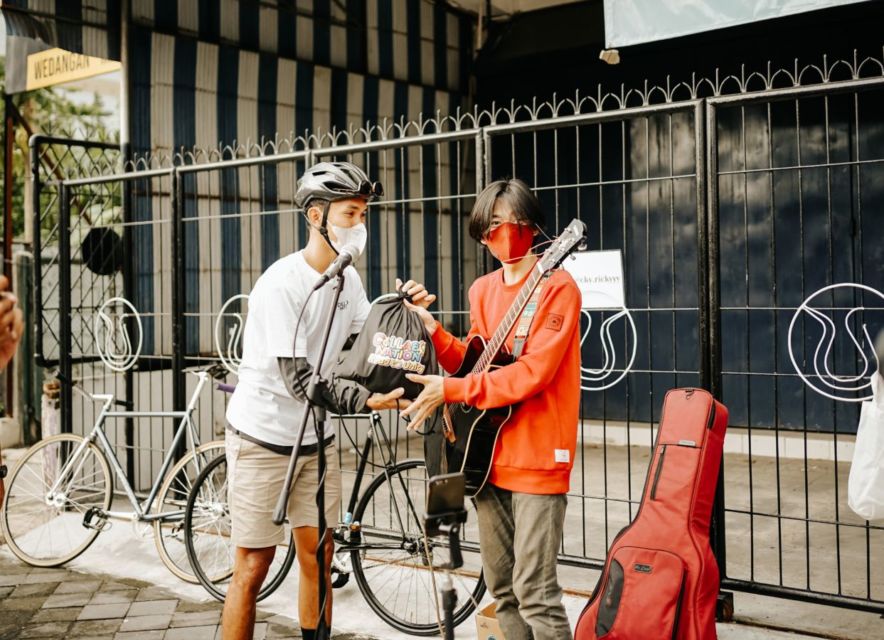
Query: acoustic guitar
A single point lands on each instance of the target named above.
(471, 432)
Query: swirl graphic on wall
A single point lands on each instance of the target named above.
(113, 322)
(599, 275)
(229, 327)
(611, 370)
(839, 354)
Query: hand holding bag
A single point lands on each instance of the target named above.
(393, 343)
(865, 485)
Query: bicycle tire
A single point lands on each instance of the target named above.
(20, 534)
(169, 533)
(396, 619)
(210, 489)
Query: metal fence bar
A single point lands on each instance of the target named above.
(707, 193)
(179, 382)
(64, 279)
(127, 217)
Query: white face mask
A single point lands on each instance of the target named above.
(356, 235)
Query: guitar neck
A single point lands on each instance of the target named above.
(506, 325)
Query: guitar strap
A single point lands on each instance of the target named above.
(527, 317)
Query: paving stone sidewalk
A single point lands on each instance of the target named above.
(57, 603)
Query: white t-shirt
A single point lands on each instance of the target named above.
(261, 405)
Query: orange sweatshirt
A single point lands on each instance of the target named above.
(535, 449)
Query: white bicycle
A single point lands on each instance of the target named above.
(59, 495)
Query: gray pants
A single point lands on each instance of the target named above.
(520, 534)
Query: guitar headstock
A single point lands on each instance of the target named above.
(571, 239)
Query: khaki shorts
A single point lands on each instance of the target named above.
(255, 476)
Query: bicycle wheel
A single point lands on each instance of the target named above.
(393, 565)
(171, 502)
(45, 528)
(207, 536)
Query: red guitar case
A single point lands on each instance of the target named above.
(660, 580)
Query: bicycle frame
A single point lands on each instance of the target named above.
(351, 544)
(185, 426)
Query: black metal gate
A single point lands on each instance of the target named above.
(795, 205)
(732, 200)
(53, 159)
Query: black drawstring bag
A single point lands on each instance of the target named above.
(393, 343)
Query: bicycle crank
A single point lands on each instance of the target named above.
(142, 530)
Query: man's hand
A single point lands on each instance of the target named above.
(421, 299)
(11, 323)
(392, 400)
(426, 403)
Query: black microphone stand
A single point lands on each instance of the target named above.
(447, 523)
(322, 629)
(449, 595)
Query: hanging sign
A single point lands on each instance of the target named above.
(55, 66)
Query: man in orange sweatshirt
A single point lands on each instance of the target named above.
(521, 509)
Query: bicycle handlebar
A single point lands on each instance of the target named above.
(215, 371)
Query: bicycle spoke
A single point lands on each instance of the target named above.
(171, 503)
(207, 535)
(48, 533)
(399, 582)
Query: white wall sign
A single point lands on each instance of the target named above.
(599, 274)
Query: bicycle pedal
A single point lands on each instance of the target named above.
(340, 561)
(101, 523)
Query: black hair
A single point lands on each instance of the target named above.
(315, 202)
(517, 194)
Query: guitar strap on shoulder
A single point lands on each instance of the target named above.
(527, 317)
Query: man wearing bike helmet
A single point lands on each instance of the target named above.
(270, 395)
